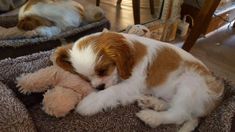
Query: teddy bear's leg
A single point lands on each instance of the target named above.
(38, 81)
(60, 101)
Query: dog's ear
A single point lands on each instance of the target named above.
(124, 61)
(119, 50)
(61, 57)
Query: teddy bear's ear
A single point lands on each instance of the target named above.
(61, 57)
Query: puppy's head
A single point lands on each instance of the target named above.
(103, 58)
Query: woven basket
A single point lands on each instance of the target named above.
(24, 46)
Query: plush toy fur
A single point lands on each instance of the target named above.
(64, 90)
(139, 30)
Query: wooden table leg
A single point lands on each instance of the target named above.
(201, 22)
(136, 11)
(151, 4)
(97, 2)
(119, 2)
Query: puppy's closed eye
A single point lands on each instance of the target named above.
(101, 72)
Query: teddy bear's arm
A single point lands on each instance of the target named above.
(38, 81)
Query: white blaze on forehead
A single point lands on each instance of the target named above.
(83, 60)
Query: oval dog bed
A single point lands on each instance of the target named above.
(23, 46)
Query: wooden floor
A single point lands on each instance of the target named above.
(217, 51)
(122, 16)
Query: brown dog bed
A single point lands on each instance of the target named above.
(118, 119)
(15, 47)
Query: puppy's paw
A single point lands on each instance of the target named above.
(144, 102)
(150, 102)
(149, 117)
(89, 105)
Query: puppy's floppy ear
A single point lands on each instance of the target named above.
(61, 57)
(120, 52)
(123, 58)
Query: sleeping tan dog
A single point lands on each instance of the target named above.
(50, 17)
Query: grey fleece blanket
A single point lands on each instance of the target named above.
(118, 119)
(13, 115)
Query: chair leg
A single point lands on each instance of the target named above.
(97, 2)
(136, 11)
(151, 4)
(201, 23)
(119, 2)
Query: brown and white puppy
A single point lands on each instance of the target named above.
(50, 17)
(128, 67)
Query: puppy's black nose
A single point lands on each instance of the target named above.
(100, 87)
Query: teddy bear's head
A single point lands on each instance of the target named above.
(140, 30)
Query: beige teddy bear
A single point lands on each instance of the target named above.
(64, 90)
